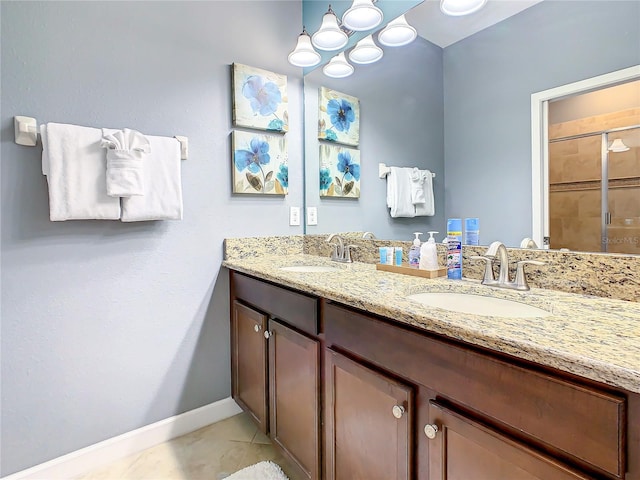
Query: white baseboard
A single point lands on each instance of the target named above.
(94, 456)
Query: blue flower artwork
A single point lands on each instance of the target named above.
(259, 163)
(338, 117)
(259, 99)
(339, 171)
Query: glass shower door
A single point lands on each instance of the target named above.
(621, 197)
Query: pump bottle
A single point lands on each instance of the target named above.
(429, 254)
(414, 251)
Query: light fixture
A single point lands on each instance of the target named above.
(362, 15)
(397, 33)
(304, 55)
(330, 36)
(457, 8)
(365, 51)
(618, 146)
(338, 67)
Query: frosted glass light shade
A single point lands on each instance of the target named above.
(304, 55)
(397, 33)
(338, 67)
(365, 51)
(457, 8)
(618, 146)
(362, 15)
(329, 36)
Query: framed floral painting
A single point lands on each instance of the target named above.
(338, 117)
(339, 171)
(259, 163)
(259, 99)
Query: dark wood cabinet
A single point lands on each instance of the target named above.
(369, 422)
(294, 383)
(249, 362)
(275, 360)
(462, 449)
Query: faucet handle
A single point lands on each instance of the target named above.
(521, 278)
(488, 268)
(347, 253)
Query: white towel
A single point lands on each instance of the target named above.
(75, 166)
(162, 199)
(399, 192)
(125, 153)
(417, 189)
(426, 208)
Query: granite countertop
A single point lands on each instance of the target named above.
(596, 338)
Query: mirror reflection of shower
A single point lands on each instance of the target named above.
(594, 170)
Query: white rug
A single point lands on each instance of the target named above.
(259, 471)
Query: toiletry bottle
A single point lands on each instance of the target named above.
(414, 251)
(429, 254)
(454, 248)
(472, 231)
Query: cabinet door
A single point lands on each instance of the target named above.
(462, 449)
(249, 362)
(369, 419)
(294, 382)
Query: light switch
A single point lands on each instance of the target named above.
(312, 216)
(294, 216)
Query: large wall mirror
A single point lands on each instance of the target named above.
(462, 109)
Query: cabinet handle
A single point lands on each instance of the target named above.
(431, 430)
(257, 328)
(398, 411)
(267, 334)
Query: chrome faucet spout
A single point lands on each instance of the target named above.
(338, 248)
(497, 249)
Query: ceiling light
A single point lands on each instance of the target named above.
(304, 55)
(365, 51)
(457, 8)
(338, 67)
(397, 33)
(362, 15)
(330, 36)
(618, 146)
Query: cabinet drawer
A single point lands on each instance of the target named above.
(579, 422)
(297, 309)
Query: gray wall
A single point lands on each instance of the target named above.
(107, 327)
(488, 82)
(401, 124)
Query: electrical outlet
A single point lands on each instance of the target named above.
(312, 216)
(294, 216)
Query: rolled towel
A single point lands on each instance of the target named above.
(125, 152)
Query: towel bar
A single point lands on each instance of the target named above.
(26, 133)
(383, 170)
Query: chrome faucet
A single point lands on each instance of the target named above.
(497, 249)
(341, 252)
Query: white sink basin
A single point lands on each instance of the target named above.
(310, 268)
(478, 305)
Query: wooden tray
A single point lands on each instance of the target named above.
(407, 270)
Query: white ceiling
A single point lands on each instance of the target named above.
(444, 30)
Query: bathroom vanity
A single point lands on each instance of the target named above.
(353, 381)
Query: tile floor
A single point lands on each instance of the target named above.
(210, 453)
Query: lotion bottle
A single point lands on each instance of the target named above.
(414, 251)
(429, 254)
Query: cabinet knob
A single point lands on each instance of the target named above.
(257, 328)
(431, 430)
(398, 411)
(267, 334)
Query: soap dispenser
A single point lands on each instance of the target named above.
(414, 251)
(429, 254)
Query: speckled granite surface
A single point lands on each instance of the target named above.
(610, 276)
(597, 338)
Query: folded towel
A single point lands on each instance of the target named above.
(75, 166)
(426, 208)
(125, 151)
(399, 192)
(162, 199)
(417, 191)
